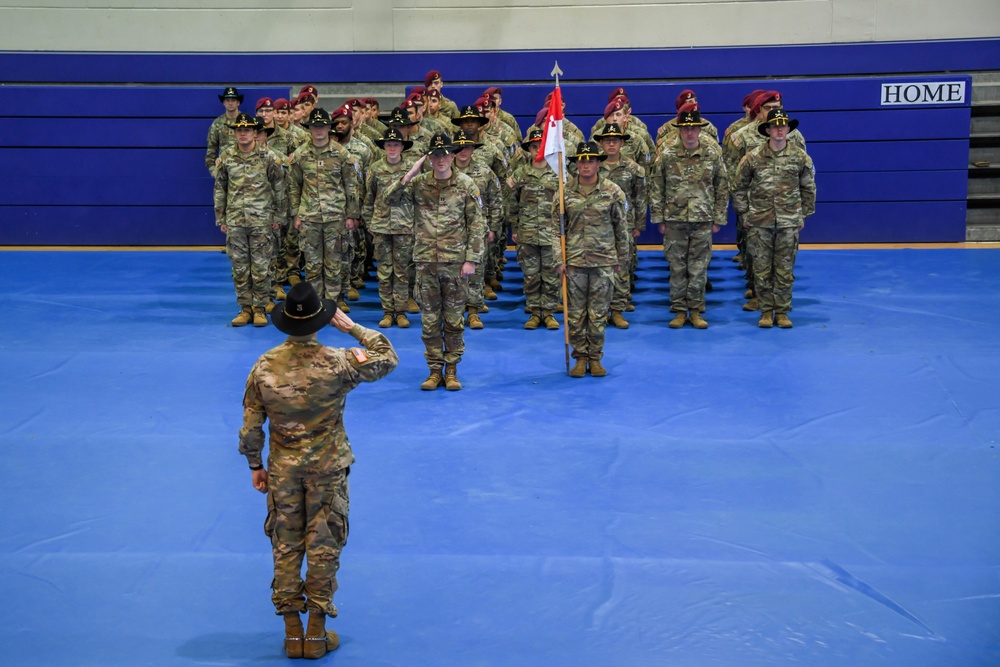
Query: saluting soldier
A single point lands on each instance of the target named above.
(448, 233)
(774, 191)
(532, 229)
(689, 193)
(391, 226)
(597, 230)
(631, 178)
(249, 205)
(324, 197)
(220, 133)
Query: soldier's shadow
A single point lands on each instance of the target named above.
(240, 648)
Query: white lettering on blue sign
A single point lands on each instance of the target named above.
(931, 92)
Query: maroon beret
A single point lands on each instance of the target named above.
(685, 96)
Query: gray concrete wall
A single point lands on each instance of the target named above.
(436, 25)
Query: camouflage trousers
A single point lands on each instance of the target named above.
(623, 281)
(393, 257)
(356, 258)
(249, 250)
(474, 297)
(325, 245)
(541, 282)
(773, 250)
(306, 518)
(589, 290)
(278, 258)
(292, 261)
(688, 248)
(443, 295)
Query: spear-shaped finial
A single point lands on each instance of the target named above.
(556, 72)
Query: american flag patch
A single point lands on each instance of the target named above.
(360, 354)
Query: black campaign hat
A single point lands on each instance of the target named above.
(393, 134)
(303, 312)
(777, 117)
(690, 116)
(534, 135)
(469, 112)
(588, 150)
(318, 117)
(243, 121)
(232, 94)
(397, 117)
(612, 131)
(441, 145)
(463, 140)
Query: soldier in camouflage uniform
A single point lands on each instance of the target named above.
(300, 387)
(448, 233)
(726, 144)
(249, 204)
(489, 188)
(324, 198)
(220, 134)
(640, 147)
(392, 230)
(342, 131)
(597, 229)
(631, 178)
(433, 81)
(667, 132)
(532, 229)
(689, 194)
(774, 191)
(495, 93)
(277, 251)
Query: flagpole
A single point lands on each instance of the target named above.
(562, 238)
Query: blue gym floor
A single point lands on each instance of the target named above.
(823, 496)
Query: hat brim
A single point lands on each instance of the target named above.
(623, 137)
(527, 144)
(703, 123)
(242, 127)
(589, 156)
(382, 142)
(320, 123)
(762, 128)
(311, 325)
(238, 98)
(450, 150)
(389, 122)
(458, 147)
(479, 119)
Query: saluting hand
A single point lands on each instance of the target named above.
(415, 169)
(342, 321)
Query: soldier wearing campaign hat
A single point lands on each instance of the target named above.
(774, 191)
(597, 230)
(631, 178)
(362, 150)
(668, 131)
(250, 204)
(448, 230)
(324, 195)
(689, 193)
(220, 135)
(640, 146)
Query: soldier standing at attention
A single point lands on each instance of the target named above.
(249, 205)
(300, 387)
(392, 230)
(433, 81)
(277, 250)
(530, 213)
(631, 178)
(324, 199)
(689, 194)
(342, 131)
(220, 134)
(448, 233)
(774, 191)
(597, 229)
(667, 131)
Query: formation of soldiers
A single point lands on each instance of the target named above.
(429, 194)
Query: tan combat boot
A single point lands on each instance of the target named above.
(697, 320)
(750, 305)
(259, 317)
(489, 294)
(680, 317)
(412, 307)
(533, 321)
(386, 321)
(293, 634)
(279, 292)
(433, 381)
(781, 319)
(352, 294)
(474, 321)
(269, 308)
(551, 323)
(402, 321)
(451, 382)
(618, 320)
(294, 279)
(765, 321)
(495, 282)
(358, 283)
(315, 640)
(243, 319)
(748, 294)
(596, 369)
(344, 308)
(579, 369)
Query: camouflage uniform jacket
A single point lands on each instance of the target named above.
(748, 138)
(493, 158)
(508, 119)
(597, 225)
(448, 223)
(324, 184)
(449, 108)
(489, 188)
(380, 216)
(220, 137)
(301, 387)
(282, 141)
(286, 168)
(438, 123)
(735, 126)
(249, 188)
(689, 186)
(421, 140)
(775, 189)
(668, 131)
(368, 132)
(631, 178)
(530, 204)
(362, 155)
(300, 137)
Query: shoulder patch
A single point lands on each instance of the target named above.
(360, 354)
